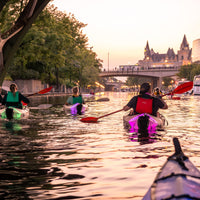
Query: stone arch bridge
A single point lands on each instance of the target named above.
(156, 74)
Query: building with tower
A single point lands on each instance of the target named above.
(167, 60)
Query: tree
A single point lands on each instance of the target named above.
(136, 80)
(167, 81)
(12, 35)
(185, 71)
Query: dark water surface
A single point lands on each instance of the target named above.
(52, 155)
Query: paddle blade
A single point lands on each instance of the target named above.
(89, 119)
(24, 104)
(183, 88)
(45, 90)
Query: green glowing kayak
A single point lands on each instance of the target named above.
(177, 179)
(14, 113)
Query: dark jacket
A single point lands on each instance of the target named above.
(157, 103)
(15, 104)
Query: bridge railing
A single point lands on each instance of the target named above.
(129, 71)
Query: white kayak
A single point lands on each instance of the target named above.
(154, 123)
(72, 109)
(177, 179)
(14, 113)
(88, 97)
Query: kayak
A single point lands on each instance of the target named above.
(177, 179)
(14, 113)
(143, 121)
(88, 97)
(72, 109)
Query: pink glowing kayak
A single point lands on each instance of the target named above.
(177, 179)
(153, 124)
(72, 109)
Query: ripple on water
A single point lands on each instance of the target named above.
(54, 155)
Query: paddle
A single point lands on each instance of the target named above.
(40, 92)
(181, 88)
(94, 119)
(41, 107)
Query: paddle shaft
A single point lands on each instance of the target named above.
(32, 94)
(110, 113)
(41, 91)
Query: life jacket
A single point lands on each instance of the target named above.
(144, 105)
(77, 99)
(13, 99)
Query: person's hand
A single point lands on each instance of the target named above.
(131, 112)
(125, 108)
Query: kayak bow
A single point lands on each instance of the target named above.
(177, 179)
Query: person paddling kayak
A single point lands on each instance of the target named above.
(145, 103)
(76, 98)
(14, 98)
(157, 93)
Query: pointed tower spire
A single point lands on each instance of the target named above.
(147, 52)
(184, 44)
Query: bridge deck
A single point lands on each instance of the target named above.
(150, 72)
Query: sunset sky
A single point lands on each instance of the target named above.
(122, 27)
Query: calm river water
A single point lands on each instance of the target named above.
(55, 156)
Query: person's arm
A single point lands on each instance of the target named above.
(69, 101)
(130, 104)
(125, 108)
(23, 98)
(164, 103)
(4, 99)
(83, 101)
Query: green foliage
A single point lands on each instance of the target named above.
(167, 81)
(185, 71)
(54, 50)
(195, 71)
(136, 80)
(10, 13)
(189, 71)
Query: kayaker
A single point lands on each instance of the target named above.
(145, 103)
(14, 98)
(157, 93)
(76, 98)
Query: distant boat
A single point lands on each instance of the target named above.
(196, 87)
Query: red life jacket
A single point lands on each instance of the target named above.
(144, 105)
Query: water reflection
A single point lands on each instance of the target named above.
(55, 156)
(148, 139)
(11, 126)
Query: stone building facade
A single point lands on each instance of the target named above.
(169, 59)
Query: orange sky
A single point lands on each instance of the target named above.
(122, 27)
